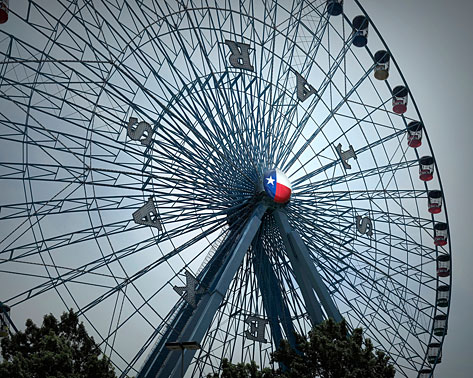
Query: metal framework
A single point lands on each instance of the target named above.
(133, 140)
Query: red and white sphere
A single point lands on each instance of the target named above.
(277, 186)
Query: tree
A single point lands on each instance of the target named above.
(55, 350)
(329, 351)
(242, 370)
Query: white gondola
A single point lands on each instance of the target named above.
(443, 265)
(434, 354)
(425, 373)
(440, 325)
(443, 295)
(440, 234)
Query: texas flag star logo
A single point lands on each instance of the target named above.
(277, 185)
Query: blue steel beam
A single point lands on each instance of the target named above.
(174, 327)
(273, 301)
(305, 272)
(183, 311)
(200, 318)
(311, 302)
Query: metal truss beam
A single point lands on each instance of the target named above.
(306, 273)
(273, 301)
(200, 318)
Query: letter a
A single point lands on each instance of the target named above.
(148, 215)
(240, 57)
(304, 89)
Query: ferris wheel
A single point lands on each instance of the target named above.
(215, 176)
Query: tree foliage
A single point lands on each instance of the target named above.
(54, 350)
(329, 351)
(242, 370)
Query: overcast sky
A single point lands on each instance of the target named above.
(432, 41)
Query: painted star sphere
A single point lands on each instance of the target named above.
(277, 186)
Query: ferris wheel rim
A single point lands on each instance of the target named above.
(295, 199)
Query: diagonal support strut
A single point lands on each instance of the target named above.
(276, 308)
(201, 317)
(306, 274)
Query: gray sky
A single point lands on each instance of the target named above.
(432, 43)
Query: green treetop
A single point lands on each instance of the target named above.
(54, 350)
(329, 351)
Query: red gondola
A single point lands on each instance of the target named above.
(426, 168)
(435, 201)
(400, 99)
(414, 134)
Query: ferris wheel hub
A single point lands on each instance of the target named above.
(277, 186)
